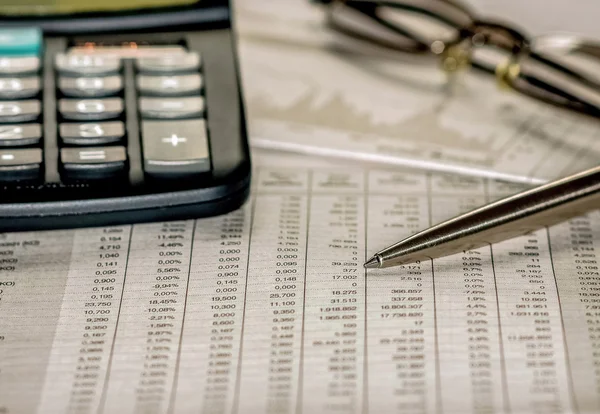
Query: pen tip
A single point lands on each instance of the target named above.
(372, 263)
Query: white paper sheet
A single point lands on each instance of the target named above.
(268, 309)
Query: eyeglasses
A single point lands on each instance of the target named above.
(547, 68)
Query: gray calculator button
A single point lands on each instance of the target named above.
(19, 65)
(171, 108)
(87, 65)
(14, 88)
(90, 109)
(170, 85)
(20, 135)
(19, 111)
(91, 86)
(173, 148)
(93, 162)
(92, 133)
(169, 63)
(20, 163)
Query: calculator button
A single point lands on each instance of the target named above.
(20, 135)
(90, 86)
(174, 148)
(92, 133)
(170, 85)
(23, 41)
(18, 164)
(93, 162)
(80, 64)
(19, 65)
(19, 111)
(14, 88)
(171, 108)
(91, 109)
(170, 63)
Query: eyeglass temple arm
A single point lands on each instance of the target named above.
(526, 82)
(561, 87)
(550, 95)
(340, 11)
(451, 13)
(448, 12)
(592, 50)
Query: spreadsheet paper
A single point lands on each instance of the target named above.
(269, 310)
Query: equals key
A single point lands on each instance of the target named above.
(93, 162)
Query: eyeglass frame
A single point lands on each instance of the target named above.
(560, 85)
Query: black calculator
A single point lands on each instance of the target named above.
(119, 111)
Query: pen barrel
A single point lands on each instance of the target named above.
(502, 220)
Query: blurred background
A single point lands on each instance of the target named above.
(312, 90)
(541, 16)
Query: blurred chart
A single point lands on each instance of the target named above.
(303, 86)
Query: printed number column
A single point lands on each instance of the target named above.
(332, 372)
(275, 294)
(33, 274)
(532, 335)
(147, 340)
(80, 357)
(576, 253)
(471, 372)
(212, 327)
(400, 303)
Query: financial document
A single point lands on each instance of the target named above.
(310, 90)
(269, 310)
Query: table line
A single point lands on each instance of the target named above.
(503, 376)
(172, 401)
(301, 361)
(569, 372)
(114, 339)
(365, 328)
(236, 400)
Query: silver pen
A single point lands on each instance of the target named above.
(510, 217)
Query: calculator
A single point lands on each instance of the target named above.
(116, 112)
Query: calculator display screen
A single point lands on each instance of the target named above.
(54, 7)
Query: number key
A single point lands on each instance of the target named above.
(92, 133)
(90, 86)
(19, 111)
(90, 109)
(82, 64)
(20, 135)
(15, 88)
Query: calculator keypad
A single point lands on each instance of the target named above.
(21, 127)
(172, 108)
(101, 99)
